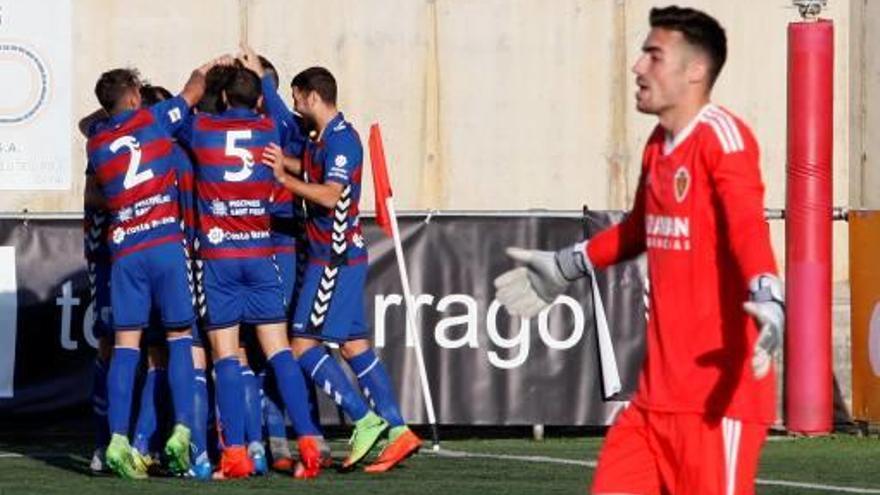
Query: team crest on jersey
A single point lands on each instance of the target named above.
(682, 183)
(358, 240)
(126, 214)
(118, 235)
(215, 235)
(218, 208)
(340, 161)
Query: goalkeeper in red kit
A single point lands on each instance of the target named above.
(706, 390)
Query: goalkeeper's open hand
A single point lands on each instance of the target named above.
(526, 290)
(766, 305)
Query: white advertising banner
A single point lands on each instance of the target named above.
(35, 94)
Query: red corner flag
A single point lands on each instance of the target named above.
(381, 184)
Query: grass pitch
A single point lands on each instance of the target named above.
(59, 465)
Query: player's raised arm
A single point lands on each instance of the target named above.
(291, 136)
(195, 87)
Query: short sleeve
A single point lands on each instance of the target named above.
(343, 156)
(171, 114)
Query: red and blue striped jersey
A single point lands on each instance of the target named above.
(334, 234)
(284, 224)
(132, 157)
(186, 185)
(233, 189)
(286, 209)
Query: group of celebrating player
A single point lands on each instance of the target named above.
(218, 226)
(228, 226)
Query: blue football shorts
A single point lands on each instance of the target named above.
(330, 306)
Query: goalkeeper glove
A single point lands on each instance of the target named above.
(528, 289)
(766, 305)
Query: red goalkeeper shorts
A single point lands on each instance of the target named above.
(656, 453)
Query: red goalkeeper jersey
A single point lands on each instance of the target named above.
(699, 214)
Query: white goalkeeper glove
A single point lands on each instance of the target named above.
(528, 289)
(766, 305)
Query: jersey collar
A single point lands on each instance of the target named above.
(239, 113)
(119, 118)
(672, 142)
(333, 124)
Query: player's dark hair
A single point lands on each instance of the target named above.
(113, 84)
(319, 80)
(243, 89)
(699, 29)
(150, 95)
(215, 81)
(269, 69)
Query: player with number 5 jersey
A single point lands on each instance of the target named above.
(238, 269)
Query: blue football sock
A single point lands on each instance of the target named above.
(145, 427)
(326, 372)
(200, 415)
(99, 404)
(230, 391)
(272, 413)
(376, 386)
(120, 383)
(163, 410)
(213, 417)
(253, 424)
(312, 395)
(292, 386)
(181, 379)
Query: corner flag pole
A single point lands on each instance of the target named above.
(386, 219)
(411, 322)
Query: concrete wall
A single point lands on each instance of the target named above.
(500, 104)
(488, 104)
(865, 178)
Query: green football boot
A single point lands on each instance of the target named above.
(120, 460)
(366, 433)
(177, 449)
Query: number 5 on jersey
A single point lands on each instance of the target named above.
(247, 159)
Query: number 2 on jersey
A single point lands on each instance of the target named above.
(247, 158)
(132, 176)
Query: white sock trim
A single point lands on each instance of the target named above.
(318, 366)
(369, 368)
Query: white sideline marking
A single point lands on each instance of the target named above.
(592, 464)
(39, 455)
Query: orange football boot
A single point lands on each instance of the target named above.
(235, 463)
(309, 464)
(284, 464)
(407, 444)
